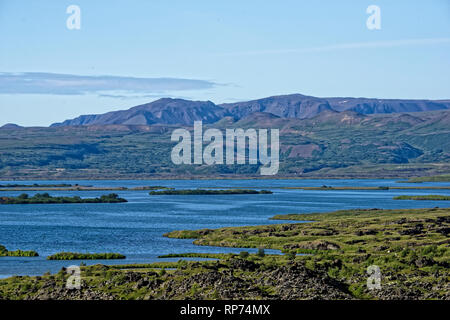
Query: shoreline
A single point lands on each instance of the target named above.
(400, 178)
(368, 188)
(331, 251)
(207, 178)
(282, 188)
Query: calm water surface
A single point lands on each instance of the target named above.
(136, 228)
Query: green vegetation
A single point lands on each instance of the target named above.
(406, 244)
(152, 188)
(208, 192)
(388, 146)
(85, 256)
(194, 255)
(329, 188)
(244, 254)
(76, 188)
(410, 246)
(424, 197)
(261, 253)
(17, 253)
(290, 255)
(45, 198)
(439, 178)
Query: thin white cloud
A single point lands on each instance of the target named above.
(345, 46)
(68, 84)
(141, 96)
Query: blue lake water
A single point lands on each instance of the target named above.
(136, 228)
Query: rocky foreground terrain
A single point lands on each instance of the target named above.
(235, 279)
(325, 259)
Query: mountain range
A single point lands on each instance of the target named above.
(319, 137)
(169, 111)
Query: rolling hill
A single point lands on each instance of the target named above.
(185, 112)
(162, 111)
(332, 144)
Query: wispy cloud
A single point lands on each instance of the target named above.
(346, 46)
(126, 96)
(69, 84)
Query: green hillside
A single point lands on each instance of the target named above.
(331, 144)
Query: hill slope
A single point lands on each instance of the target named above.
(163, 111)
(288, 106)
(370, 106)
(185, 112)
(331, 144)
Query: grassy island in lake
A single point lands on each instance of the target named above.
(439, 178)
(16, 253)
(75, 187)
(380, 188)
(209, 192)
(85, 256)
(193, 255)
(45, 198)
(424, 197)
(35, 185)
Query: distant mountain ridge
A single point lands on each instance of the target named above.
(162, 111)
(287, 106)
(10, 126)
(185, 112)
(344, 144)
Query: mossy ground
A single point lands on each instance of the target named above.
(434, 197)
(409, 244)
(411, 248)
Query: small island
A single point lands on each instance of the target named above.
(45, 198)
(85, 256)
(17, 253)
(35, 185)
(439, 178)
(71, 187)
(424, 197)
(208, 192)
(152, 188)
(379, 188)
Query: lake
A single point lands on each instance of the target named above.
(136, 228)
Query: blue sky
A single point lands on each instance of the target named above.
(132, 52)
